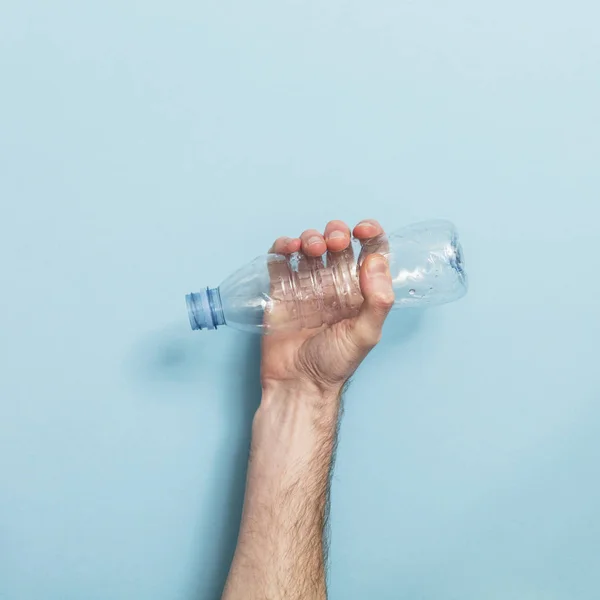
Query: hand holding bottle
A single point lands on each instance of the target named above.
(321, 357)
(291, 291)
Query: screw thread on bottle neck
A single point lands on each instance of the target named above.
(205, 309)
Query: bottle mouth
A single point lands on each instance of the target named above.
(205, 310)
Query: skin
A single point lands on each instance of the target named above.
(281, 550)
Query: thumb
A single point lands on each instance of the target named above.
(376, 287)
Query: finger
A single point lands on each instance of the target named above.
(313, 243)
(368, 228)
(372, 239)
(285, 245)
(309, 262)
(376, 287)
(341, 294)
(337, 236)
(278, 264)
(308, 289)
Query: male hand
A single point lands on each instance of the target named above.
(319, 361)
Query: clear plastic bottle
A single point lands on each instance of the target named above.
(276, 292)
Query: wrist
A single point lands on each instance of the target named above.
(307, 393)
(293, 427)
(297, 406)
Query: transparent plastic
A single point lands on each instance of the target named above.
(275, 292)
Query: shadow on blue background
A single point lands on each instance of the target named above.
(174, 356)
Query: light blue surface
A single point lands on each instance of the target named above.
(148, 148)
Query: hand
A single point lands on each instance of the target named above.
(321, 360)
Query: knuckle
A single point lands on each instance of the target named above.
(375, 337)
(372, 338)
(372, 222)
(336, 224)
(367, 337)
(383, 300)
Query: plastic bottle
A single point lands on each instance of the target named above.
(276, 292)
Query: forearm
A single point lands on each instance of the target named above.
(281, 547)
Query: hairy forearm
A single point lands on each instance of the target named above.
(282, 545)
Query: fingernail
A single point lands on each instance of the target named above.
(315, 239)
(365, 223)
(336, 235)
(377, 266)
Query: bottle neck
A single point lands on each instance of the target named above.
(205, 309)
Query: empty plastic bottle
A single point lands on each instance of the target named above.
(276, 292)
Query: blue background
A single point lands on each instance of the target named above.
(147, 148)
